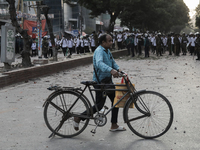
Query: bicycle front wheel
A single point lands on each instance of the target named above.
(152, 115)
(56, 117)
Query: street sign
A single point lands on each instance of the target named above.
(34, 29)
(7, 43)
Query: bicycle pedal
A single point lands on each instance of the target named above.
(93, 131)
(105, 107)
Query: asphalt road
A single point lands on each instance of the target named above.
(23, 126)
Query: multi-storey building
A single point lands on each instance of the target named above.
(66, 17)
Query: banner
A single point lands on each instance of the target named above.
(29, 25)
(30, 16)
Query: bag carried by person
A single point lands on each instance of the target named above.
(107, 81)
(120, 94)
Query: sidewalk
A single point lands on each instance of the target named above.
(23, 74)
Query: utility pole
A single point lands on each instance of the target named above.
(81, 19)
(22, 10)
(39, 31)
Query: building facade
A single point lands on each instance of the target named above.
(66, 17)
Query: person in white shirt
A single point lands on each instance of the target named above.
(50, 49)
(172, 43)
(64, 45)
(70, 46)
(78, 45)
(192, 43)
(57, 42)
(100, 34)
(74, 44)
(92, 43)
(81, 45)
(86, 45)
(33, 47)
(153, 44)
(164, 43)
(119, 40)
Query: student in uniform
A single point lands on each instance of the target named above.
(64, 45)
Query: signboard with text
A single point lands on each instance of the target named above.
(7, 43)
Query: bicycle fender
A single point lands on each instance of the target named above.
(49, 97)
(126, 104)
(61, 89)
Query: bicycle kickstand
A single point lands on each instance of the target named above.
(52, 135)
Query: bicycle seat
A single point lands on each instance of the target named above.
(88, 82)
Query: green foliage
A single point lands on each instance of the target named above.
(146, 14)
(156, 14)
(112, 7)
(198, 16)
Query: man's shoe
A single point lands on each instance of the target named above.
(76, 123)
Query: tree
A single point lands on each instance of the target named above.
(197, 16)
(45, 11)
(26, 61)
(113, 7)
(155, 14)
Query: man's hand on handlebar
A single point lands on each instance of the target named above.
(118, 73)
(114, 73)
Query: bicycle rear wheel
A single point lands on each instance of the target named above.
(56, 117)
(152, 115)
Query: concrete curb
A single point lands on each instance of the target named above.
(22, 75)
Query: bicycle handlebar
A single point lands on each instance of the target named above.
(122, 74)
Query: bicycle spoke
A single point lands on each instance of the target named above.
(59, 119)
(58, 108)
(151, 125)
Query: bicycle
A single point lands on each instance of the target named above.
(151, 116)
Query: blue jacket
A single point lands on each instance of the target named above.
(103, 63)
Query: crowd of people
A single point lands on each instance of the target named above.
(68, 44)
(158, 43)
(135, 43)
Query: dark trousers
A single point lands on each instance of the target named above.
(119, 44)
(140, 49)
(146, 51)
(50, 51)
(70, 50)
(128, 49)
(82, 50)
(191, 50)
(86, 49)
(64, 49)
(132, 50)
(136, 49)
(100, 101)
(172, 48)
(198, 55)
(45, 55)
(93, 49)
(78, 49)
(154, 49)
(34, 52)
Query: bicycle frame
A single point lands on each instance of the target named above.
(131, 115)
(130, 90)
